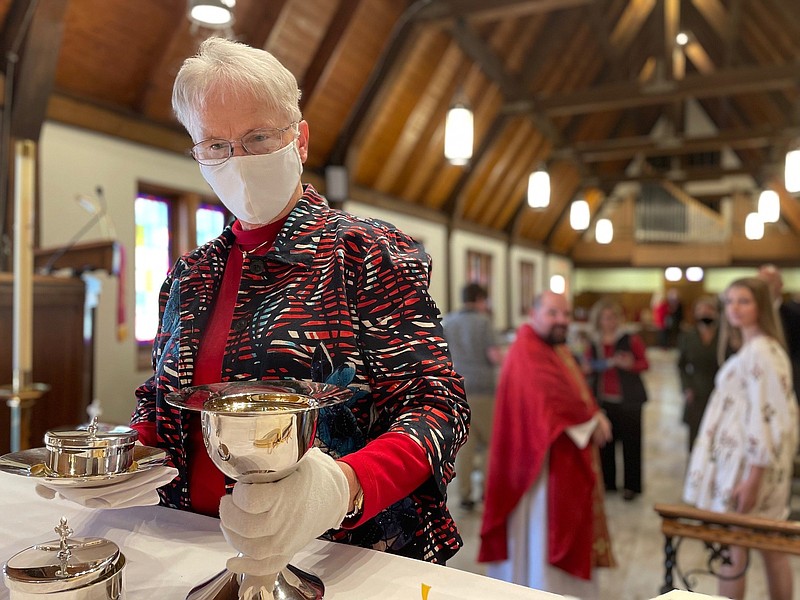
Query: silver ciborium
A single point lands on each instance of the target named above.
(254, 432)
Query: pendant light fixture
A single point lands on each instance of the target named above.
(558, 284)
(539, 188)
(769, 206)
(754, 226)
(458, 134)
(694, 274)
(579, 215)
(216, 14)
(673, 274)
(604, 231)
(791, 176)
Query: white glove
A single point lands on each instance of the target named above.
(270, 522)
(139, 489)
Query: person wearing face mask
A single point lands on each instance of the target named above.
(292, 278)
(697, 362)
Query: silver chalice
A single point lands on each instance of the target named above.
(257, 431)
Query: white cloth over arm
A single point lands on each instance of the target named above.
(527, 537)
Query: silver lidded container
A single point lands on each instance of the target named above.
(88, 450)
(67, 569)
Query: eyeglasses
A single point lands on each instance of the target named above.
(215, 151)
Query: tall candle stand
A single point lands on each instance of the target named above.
(23, 393)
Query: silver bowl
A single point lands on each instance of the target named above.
(89, 450)
(257, 431)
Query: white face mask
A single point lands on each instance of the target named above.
(256, 188)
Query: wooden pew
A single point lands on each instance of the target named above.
(718, 531)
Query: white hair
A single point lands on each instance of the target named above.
(227, 67)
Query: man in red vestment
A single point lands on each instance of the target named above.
(544, 522)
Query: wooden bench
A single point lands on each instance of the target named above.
(719, 531)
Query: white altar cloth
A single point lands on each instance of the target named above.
(169, 551)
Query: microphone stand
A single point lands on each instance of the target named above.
(48, 268)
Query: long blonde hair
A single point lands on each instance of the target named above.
(768, 320)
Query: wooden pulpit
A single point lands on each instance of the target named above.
(63, 338)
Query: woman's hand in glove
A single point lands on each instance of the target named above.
(138, 489)
(270, 522)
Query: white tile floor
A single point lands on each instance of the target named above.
(635, 527)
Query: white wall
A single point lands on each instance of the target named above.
(618, 280)
(652, 279)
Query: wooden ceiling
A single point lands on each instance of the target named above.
(597, 90)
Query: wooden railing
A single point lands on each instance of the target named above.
(719, 531)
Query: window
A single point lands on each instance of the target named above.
(527, 286)
(151, 260)
(169, 223)
(210, 221)
(479, 269)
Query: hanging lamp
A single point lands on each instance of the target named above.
(769, 206)
(539, 188)
(459, 131)
(754, 226)
(216, 14)
(604, 231)
(579, 215)
(791, 176)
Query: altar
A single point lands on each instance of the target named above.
(169, 551)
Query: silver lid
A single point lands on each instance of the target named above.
(63, 564)
(93, 435)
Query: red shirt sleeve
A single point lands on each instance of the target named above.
(147, 433)
(639, 356)
(388, 468)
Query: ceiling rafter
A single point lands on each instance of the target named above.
(162, 57)
(36, 59)
(392, 53)
(599, 26)
(626, 148)
(609, 97)
(480, 10)
(260, 20)
(330, 42)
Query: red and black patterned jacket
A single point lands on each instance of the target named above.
(361, 287)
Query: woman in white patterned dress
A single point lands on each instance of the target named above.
(743, 457)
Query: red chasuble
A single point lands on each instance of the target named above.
(540, 394)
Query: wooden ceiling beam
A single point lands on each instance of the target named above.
(599, 26)
(621, 96)
(480, 10)
(677, 176)
(475, 48)
(259, 21)
(626, 148)
(391, 55)
(35, 45)
(330, 42)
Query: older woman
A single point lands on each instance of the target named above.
(615, 360)
(255, 303)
